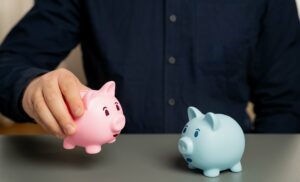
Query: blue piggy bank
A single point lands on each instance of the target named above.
(212, 142)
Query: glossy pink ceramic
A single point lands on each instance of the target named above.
(101, 122)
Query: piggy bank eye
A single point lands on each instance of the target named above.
(196, 133)
(184, 129)
(117, 106)
(105, 111)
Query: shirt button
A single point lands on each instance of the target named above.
(171, 102)
(173, 18)
(172, 60)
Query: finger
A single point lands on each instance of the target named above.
(83, 87)
(70, 91)
(47, 128)
(55, 102)
(43, 116)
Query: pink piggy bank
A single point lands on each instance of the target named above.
(101, 122)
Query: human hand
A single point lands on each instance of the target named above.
(48, 99)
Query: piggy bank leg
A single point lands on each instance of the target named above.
(68, 144)
(93, 149)
(236, 168)
(212, 172)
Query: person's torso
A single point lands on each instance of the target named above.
(168, 55)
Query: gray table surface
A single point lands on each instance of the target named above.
(268, 158)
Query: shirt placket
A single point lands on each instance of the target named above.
(172, 16)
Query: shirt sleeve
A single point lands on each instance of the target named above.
(275, 72)
(36, 45)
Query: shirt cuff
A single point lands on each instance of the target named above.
(18, 114)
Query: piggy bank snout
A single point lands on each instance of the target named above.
(185, 146)
(118, 123)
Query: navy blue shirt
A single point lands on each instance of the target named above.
(166, 55)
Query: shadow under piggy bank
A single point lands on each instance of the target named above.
(176, 162)
(48, 151)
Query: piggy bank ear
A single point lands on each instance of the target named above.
(193, 112)
(212, 121)
(108, 88)
(86, 95)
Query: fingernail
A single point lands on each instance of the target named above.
(77, 112)
(70, 129)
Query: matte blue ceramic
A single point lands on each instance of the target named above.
(212, 142)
